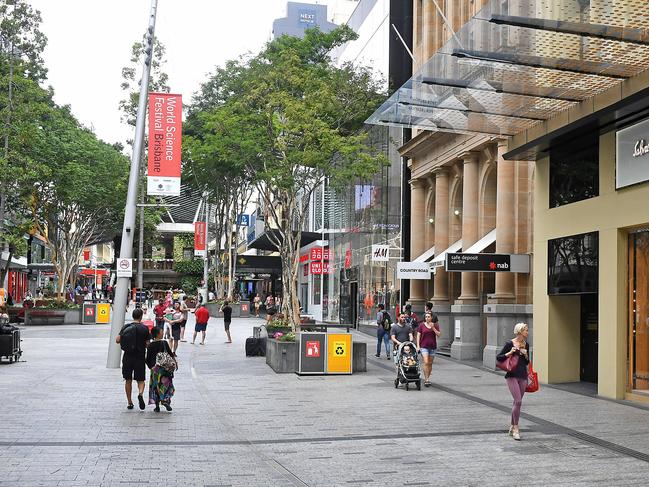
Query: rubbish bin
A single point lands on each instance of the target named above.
(312, 353)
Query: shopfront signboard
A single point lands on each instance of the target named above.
(316, 268)
(380, 253)
(632, 155)
(460, 262)
(413, 270)
(165, 144)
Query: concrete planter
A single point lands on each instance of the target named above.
(282, 357)
(52, 316)
(214, 308)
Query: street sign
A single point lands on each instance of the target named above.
(124, 267)
(339, 353)
(459, 262)
(413, 270)
(243, 220)
(380, 253)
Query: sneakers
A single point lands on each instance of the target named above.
(516, 435)
(140, 401)
(377, 355)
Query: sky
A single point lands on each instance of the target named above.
(89, 42)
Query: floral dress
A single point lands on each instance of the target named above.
(161, 386)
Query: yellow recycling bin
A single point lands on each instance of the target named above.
(103, 313)
(339, 353)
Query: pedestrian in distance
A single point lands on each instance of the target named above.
(226, 309)
(162, 362)
(517, 378)
(383, 325)
(159, 312)
(271, 310)
(202, 317)
(175, 322)
(185, 311)
(257, 303)
(133, 338)
(411, 319)
(427, 334)
(400, 333)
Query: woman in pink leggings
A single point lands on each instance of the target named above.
(517, 378)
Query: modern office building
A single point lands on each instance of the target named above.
(300, 17)
(562, 84)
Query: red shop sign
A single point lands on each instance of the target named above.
(316, 268)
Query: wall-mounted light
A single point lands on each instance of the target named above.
(457, 212)
(431, 220)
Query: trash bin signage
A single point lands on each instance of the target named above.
(339, 353)
(89, 313)
(103, 313)
(312, 355)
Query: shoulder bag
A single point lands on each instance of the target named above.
(509, 364)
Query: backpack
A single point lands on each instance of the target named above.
(128, 342)
(387, 321)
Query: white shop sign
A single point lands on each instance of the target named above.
(632, 155)
(380, 253)
(413, 270)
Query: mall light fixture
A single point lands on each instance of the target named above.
(456, 212)
(431, 220)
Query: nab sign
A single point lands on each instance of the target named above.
(460, 262)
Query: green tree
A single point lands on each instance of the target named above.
(21, 68)
(293, 120)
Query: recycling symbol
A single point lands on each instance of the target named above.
(340, 350)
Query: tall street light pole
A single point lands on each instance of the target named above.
(126, 249)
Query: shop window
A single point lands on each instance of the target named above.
(573, 264)
(574, 171)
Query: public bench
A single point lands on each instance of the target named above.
(44, 317)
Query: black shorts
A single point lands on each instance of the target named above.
(175, 331)
(133, 367)
(227, 325)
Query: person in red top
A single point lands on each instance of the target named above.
(202, 317)
(159, 312)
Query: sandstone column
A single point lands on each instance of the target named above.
(505, 224)
(441, 232)
(417, 237)
(470, 190)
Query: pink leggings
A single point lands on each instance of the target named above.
(517, 388)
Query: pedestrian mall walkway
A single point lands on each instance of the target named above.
(237, 423)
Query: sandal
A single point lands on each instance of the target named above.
(130, 406)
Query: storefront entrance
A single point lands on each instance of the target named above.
(589, 338)
(639, 312)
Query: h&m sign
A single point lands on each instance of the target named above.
(380, 253)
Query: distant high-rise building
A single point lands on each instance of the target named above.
(302, 16)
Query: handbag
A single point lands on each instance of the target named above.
(166, 361)
(532, 380)
(509, 364)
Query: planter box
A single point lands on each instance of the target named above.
(50, 316)
(282, 357)
(214, 308)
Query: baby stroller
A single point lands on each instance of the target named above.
(407, 366)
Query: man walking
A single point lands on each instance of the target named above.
(159, 312)
(384, 323)
(226, 309)
(133, 338)
(399, 334)
(202, 317)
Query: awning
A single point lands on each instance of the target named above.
(441, 258)
(426, 256)
(482, 244)
(264, 241)
(518, 63)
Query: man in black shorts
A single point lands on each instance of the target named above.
(134, 338)
(226, 309)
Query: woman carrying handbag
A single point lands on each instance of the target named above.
(162, 362)
(514, 358)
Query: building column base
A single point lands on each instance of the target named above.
(501, 299)
(501, 319)
(467, 332)
(443, 312)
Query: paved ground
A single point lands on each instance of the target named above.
(237, 423)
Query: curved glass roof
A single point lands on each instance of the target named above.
(520, 62)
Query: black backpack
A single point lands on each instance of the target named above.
(387, 321)
(128, 342)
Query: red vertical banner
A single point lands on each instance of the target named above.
(165, 144)
(200, 247)
(348, 259)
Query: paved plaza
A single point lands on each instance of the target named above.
(237, 423)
